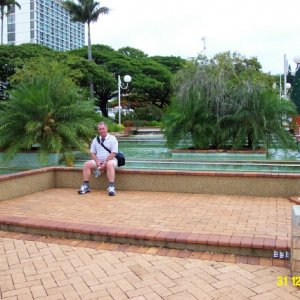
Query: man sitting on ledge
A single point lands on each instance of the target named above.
(103, 151)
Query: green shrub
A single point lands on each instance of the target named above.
(148, 113)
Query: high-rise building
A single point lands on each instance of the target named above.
(43, 22)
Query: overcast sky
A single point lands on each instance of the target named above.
(266, 29)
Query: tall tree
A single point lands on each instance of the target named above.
(5, 6)
(86, 11)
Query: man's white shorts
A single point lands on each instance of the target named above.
(115, 163)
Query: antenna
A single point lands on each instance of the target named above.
(203, 39)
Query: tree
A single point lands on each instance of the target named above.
(5, 6)
(13, 57)
(47, 109)
(223, 103)
(86, 11)
(173, 63)
(151, 82)
(295, 95)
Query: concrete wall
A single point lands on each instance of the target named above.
(276, 185)
(24, 183)
(204, 183)
(295, 242)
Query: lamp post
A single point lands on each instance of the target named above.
(297, 61)
(123, 86)
(285, 68)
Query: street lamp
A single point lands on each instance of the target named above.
(123, 86)
(297, 61)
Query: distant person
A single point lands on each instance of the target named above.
(103, 150)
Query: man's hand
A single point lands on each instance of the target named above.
(103, 165)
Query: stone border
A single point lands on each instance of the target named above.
(227, 183)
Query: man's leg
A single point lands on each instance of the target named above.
(87, 168)
(111, 173)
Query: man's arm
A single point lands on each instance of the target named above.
(111, 156)
(94, 157)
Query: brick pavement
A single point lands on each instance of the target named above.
(37, 267)
(34, 267)
(244, 216)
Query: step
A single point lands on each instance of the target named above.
(250, 246)
(221, 166)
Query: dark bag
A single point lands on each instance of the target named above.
(119, 156)
(121, 159)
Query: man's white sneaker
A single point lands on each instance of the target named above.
(84, 189)
(111, 191)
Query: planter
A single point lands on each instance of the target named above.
(127, 131)
(30, 160)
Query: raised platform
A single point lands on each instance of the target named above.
(178, 210)
(214, 223)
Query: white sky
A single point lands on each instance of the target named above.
(266, 29)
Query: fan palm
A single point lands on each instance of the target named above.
(5, 5)
(86, 11)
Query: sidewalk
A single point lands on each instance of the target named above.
(33, 267)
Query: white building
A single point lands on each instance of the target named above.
(43, 22)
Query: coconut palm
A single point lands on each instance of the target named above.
(48, 111)
(86, 11)
(5, 5)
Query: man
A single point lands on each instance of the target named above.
(102, 160)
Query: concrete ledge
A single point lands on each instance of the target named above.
(250, 184)
(26, 182)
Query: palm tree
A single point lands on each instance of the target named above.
(86, 11)
(48, 111)
(6, 4)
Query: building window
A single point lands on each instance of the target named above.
(11, 37)
(11, 18)
(11, 27)
(11, 9)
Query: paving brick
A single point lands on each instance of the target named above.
(125, 285)
(152, 296)
(16, 292)
(18, 277)
(38, 291)
(227, 293)
(139, 292)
